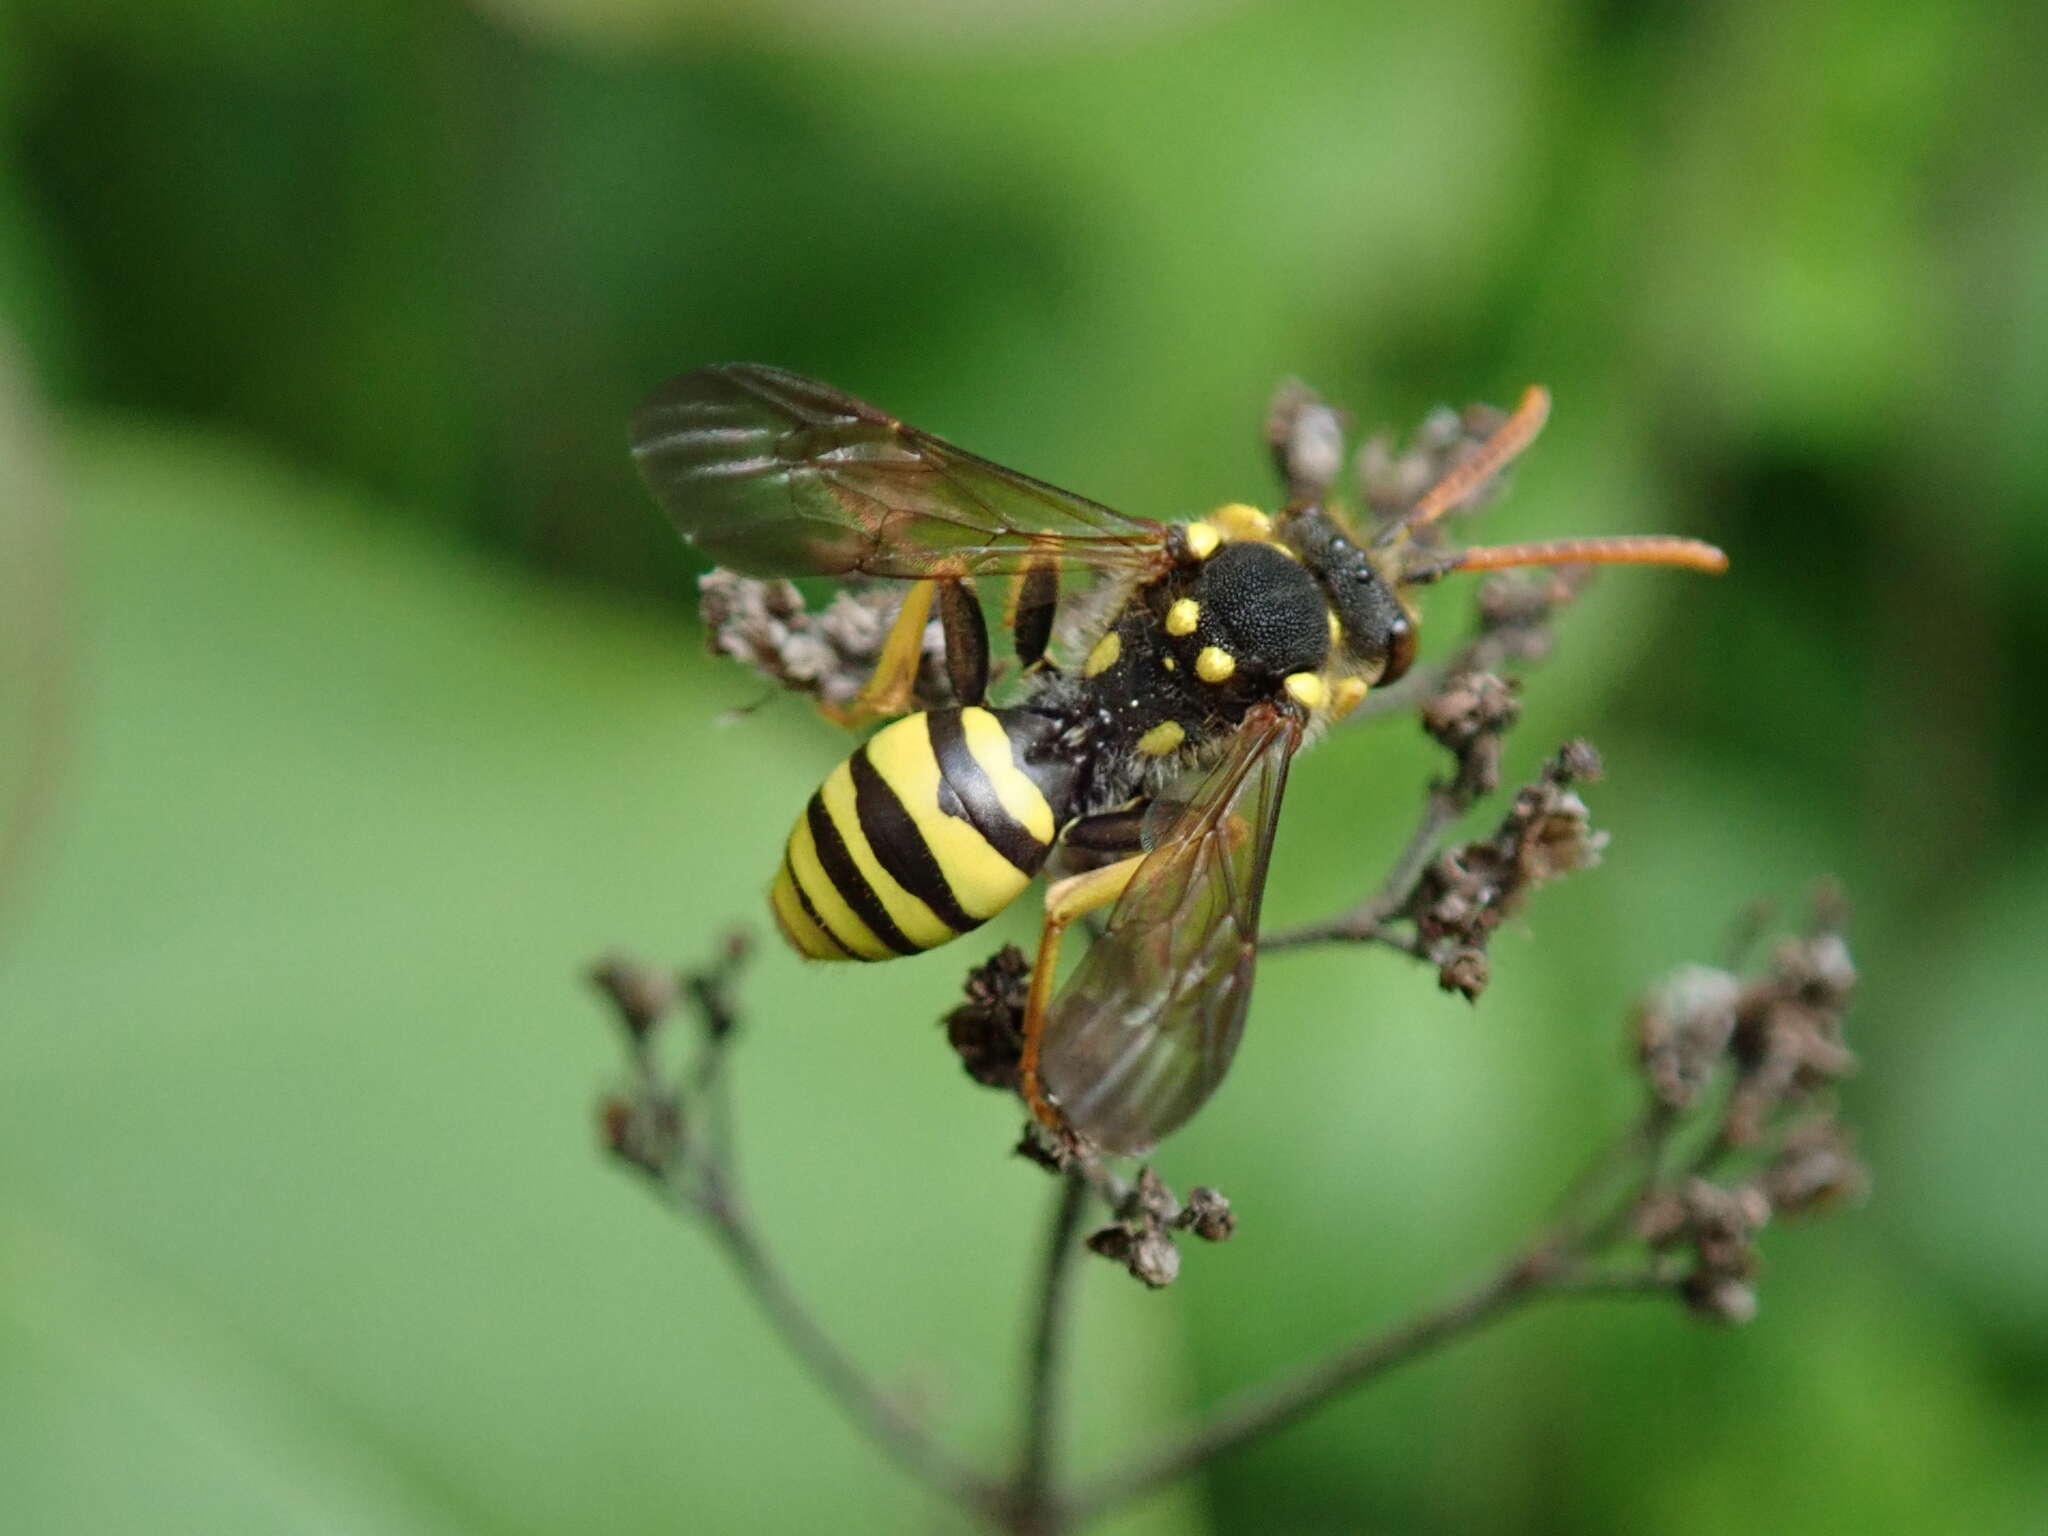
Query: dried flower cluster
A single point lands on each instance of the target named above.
(827, 655)
(1465, 894)
(1391, 479)
(1148, 1215)
(1771, 1047)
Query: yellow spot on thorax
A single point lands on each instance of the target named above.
(1202, 540)
(1104, 656)
(1306, 689)
(1162, 738)
(1215, 665)
(1183, 616)
(1240, 521)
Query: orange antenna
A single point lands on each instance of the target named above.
(1624, 549)
(1464, 480)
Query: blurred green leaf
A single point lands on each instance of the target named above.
(305, 1049)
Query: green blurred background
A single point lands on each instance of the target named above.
(353, 701)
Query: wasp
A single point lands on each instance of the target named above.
(1160, 680)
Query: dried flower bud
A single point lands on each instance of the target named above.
(1392, 481)
(1149, 1255)
(1307, 439)
(1468, 717)
(1720, 1299)
(987, 1030)
(1819, 969)
(647, 1133)
(1683, 1029)
(1722, 1219)
(1150, 1200)
(1577, 762)
(1112, 1242)
(1208, 1215)
(1465, 970)
(1660, 1218)
(1467, 706)
(1816, 1168)
(641, 996)
(1470, 890)
(1560, 838)
(828, 655)
(615, 1123)
(1036, 1146)
(1154, 1259)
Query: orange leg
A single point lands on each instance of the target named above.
(888, 691)
(1066, 902)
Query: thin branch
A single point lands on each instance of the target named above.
(1257, 1414)
(656, 1133)
(1368, 922)
(884, 1420)
(1030, 1494)
(1557, 1263)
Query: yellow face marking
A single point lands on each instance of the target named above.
(1162, 738)
(1239, 521)
(1336, 630)
(1215, 665)
(1105, 655)
(1183, 616)
(1202, 540)
(1348, 695)
(1306, 689)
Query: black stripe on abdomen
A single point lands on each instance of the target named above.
(850, 883)
(900, 848)
(982, 807)
(803, 900)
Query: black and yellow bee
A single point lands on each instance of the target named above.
(1207, 651)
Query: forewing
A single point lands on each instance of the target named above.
(1144, 1031)
(772, 474)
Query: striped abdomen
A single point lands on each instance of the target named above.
(930, 829)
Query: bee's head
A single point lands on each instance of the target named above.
(1376, 628)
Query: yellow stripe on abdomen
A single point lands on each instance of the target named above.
(1022, 798)
(982, 880)
(923, 834)
(802, 930)
(912, 917)
(834, 914)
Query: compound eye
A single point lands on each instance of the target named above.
(1401, 641)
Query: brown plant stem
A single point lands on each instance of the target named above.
(1253, 1415)
(1552, 1265)
(865, 1405)
(1032, 1507)
(1368, 922)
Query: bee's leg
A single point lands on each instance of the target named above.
(1066, 901)
(1034, 600)
(888, 690)
(1108, 831)
(966, 641)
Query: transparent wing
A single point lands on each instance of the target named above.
(1141, 1035)
(772, 474)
